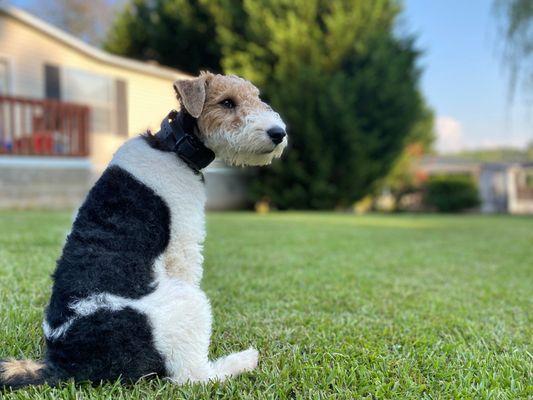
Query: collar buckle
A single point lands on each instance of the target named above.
(191, 150)
(177, 130)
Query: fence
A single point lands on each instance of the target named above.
(43, 127)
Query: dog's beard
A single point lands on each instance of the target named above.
(249, 145)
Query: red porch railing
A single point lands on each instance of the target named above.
(43, 127)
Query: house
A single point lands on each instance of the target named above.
(506, 187)
(65, 107)
(503, 187)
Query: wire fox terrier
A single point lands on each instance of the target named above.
(126, 301)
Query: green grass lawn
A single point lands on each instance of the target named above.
(339, 306)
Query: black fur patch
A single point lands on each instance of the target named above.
(118, 232)
(107, 345)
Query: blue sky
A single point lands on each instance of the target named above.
(464, 80)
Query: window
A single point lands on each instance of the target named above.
(99, 92)
(122, 107)
(52, 87)
(528, 179)
(4, 76)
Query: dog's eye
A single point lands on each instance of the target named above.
(228, 103)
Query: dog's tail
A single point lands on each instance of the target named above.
(15, 374)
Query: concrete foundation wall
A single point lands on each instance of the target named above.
(226, 189)
(50, 184)
(55, 183)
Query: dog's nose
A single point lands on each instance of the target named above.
(276, 134)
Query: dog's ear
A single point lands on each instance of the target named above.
(191, 94)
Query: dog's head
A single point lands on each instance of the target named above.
(232, 120)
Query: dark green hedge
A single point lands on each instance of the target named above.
(451, 193)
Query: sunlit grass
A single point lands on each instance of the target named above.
(339, 306)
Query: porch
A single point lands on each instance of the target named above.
(31, 127)
(44, 150)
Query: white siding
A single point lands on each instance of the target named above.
(28, 49)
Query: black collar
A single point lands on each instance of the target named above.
(177, 135)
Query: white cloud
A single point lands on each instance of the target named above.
(449, 135)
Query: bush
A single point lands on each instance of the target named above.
(346, 85)
(451, 193)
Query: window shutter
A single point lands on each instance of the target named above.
(52, 82)
(122, 107)
(4, 76)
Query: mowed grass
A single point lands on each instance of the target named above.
(339, 306)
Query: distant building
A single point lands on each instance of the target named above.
(503, 187)
(506, 187)
(65, 107)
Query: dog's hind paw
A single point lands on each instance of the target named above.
(235, 364)
(249, 359)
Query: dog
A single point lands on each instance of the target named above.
(126, 300)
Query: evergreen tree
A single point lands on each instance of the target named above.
(346, 84)
(177, 33)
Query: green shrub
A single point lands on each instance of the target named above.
(451, 193)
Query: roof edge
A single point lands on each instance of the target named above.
(88, 50)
